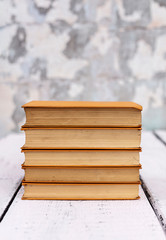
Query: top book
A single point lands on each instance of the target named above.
(52, 114)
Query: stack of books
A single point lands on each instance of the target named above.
(82, 150)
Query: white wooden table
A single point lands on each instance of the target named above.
(84, 220)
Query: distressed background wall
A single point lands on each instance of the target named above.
(105, 50)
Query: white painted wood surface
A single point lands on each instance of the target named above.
(93, 220)
(81, 219)
(11, 173)
(153, 159)
(161, 134)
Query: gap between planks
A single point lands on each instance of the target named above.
(10, 203)
(149, 196)
(144, 186)
(152, 204)
(159, 138)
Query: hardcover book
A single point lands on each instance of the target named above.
(81, 157)
(80, 191)
(82, 138)
(82, 114)
(77, 174)
(81, 150)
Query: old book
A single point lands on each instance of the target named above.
(82, 138)
(81, 157)
(81, 174)
(80, 191)
(82, 114)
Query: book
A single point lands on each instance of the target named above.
(82, 114)
(50, 191)
(81, 157)
(82, 138)
(81, 150)
(77, 174)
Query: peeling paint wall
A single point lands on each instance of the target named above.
(102, 50)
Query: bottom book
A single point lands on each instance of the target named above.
(53, 191)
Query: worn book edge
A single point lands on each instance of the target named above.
(81, 104)
(80, 199)
(81, 128)
(139, 166)
(52, 183)
(78, 150)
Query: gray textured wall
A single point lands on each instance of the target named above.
(105, 50)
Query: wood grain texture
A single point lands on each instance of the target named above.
(153, 173)
(96, 220)
(11, 173)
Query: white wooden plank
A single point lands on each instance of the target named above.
(90, 220)
(153, 159)
(161, 134)
(10, 167)
(69, 219)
